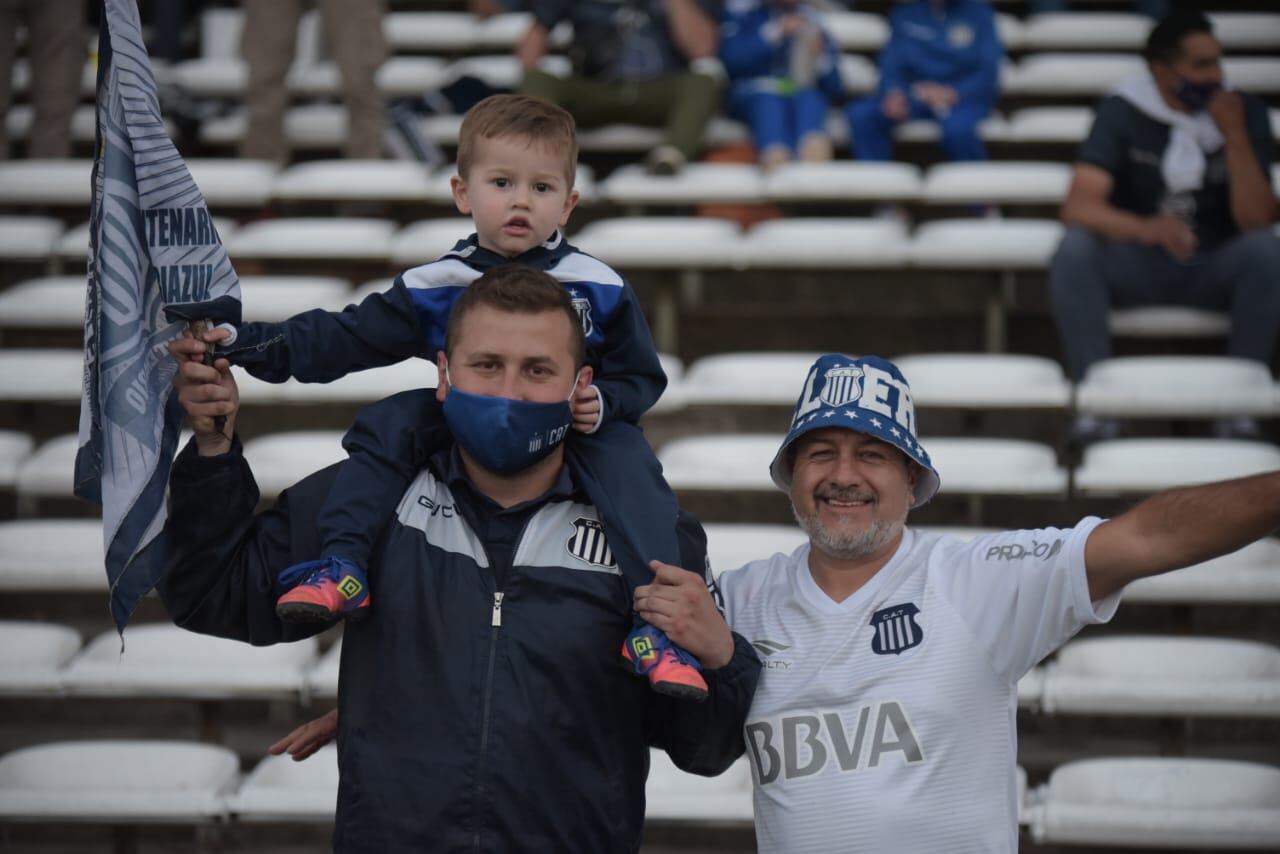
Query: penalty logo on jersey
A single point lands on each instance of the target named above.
(896, 629)
(589, 545)
(841, 385)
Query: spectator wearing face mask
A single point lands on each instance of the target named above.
(1171, 203)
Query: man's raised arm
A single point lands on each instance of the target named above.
(1181, 527)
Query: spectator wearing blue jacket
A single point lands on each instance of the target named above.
(783, 74)
(942, 62)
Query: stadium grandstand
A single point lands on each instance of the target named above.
(1159, 730)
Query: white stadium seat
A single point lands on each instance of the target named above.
(730, 545)
(162, 660)
(47, 473)
(856, 31)
(359, 388)
(227, 181)
(228, 77)
(673, 396)
(50, 302)
(322, 678)
(1050, 124)
(1166, 321)
(62, 555)
(1257, 74)
(663, 242)
(827, 243)
(1249, 576)
(22, 77)
(985, 381)
(1086, 30)
(843, 181)
(985, 244)
(28, 238)
(117, 782)
(1127, 466)
(425, 241)
(328, 238)
(434, 32)
(45, 182)
(1160, 803)
(996, 467)
(280, 460)
(748, 379)
(1163, 677)
(84, 123)
(504, 31)
(44, 375)
(504, 71)
(306, 127)
(74, 244)
(1071, 74)
(695, 184)
(637, 138)
(31, 654)
(675, 795)
(1017, 182)
(279, 789)
(994, 128)
(858, 73)
(275, 298)
(1246, 30)
(720, 462)
(1168, 386)
(15, 449)
(352, 180)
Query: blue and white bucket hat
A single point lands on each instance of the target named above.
(866, 395)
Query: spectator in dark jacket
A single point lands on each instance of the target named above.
(942, 63)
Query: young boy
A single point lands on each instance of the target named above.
(516, 161)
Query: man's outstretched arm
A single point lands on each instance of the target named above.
(1181, 527)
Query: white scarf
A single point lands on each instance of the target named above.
(1191, 135)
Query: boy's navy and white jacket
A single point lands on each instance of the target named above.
(410, 319)
(481, 704)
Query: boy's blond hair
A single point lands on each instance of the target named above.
(521, 116)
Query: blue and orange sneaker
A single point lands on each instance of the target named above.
(671, 671)
(330, 589)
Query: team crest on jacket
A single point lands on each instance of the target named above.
(588, 543)
(841, 384)
(896, 629)
(582, 306)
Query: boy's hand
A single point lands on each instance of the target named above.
(586, 409)
(308, 738)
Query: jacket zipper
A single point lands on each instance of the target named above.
(495, 623)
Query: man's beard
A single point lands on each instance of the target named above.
(852, 546)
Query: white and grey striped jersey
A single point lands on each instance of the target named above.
(886, 722)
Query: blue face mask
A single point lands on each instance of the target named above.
(505, 436)
(1194, 96)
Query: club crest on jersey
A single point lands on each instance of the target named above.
(896, 629)
(582, 306)
(841, 384)
(588, 543)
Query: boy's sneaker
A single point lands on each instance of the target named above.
(672, 671)
(327, 590)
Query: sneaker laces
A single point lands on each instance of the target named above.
(305, 570)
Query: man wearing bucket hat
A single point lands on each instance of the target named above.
(884, 717)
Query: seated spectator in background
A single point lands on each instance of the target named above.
(942, 62)
(783, 73)
(644, 62)
(1155, 9)
(55, 53)
(1171, 203)
(353, 33)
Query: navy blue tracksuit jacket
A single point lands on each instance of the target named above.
(392, 439)
(482, 708)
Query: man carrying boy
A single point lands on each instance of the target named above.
(482, 708)
(516, 162)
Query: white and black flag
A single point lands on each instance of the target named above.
(155, 260)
